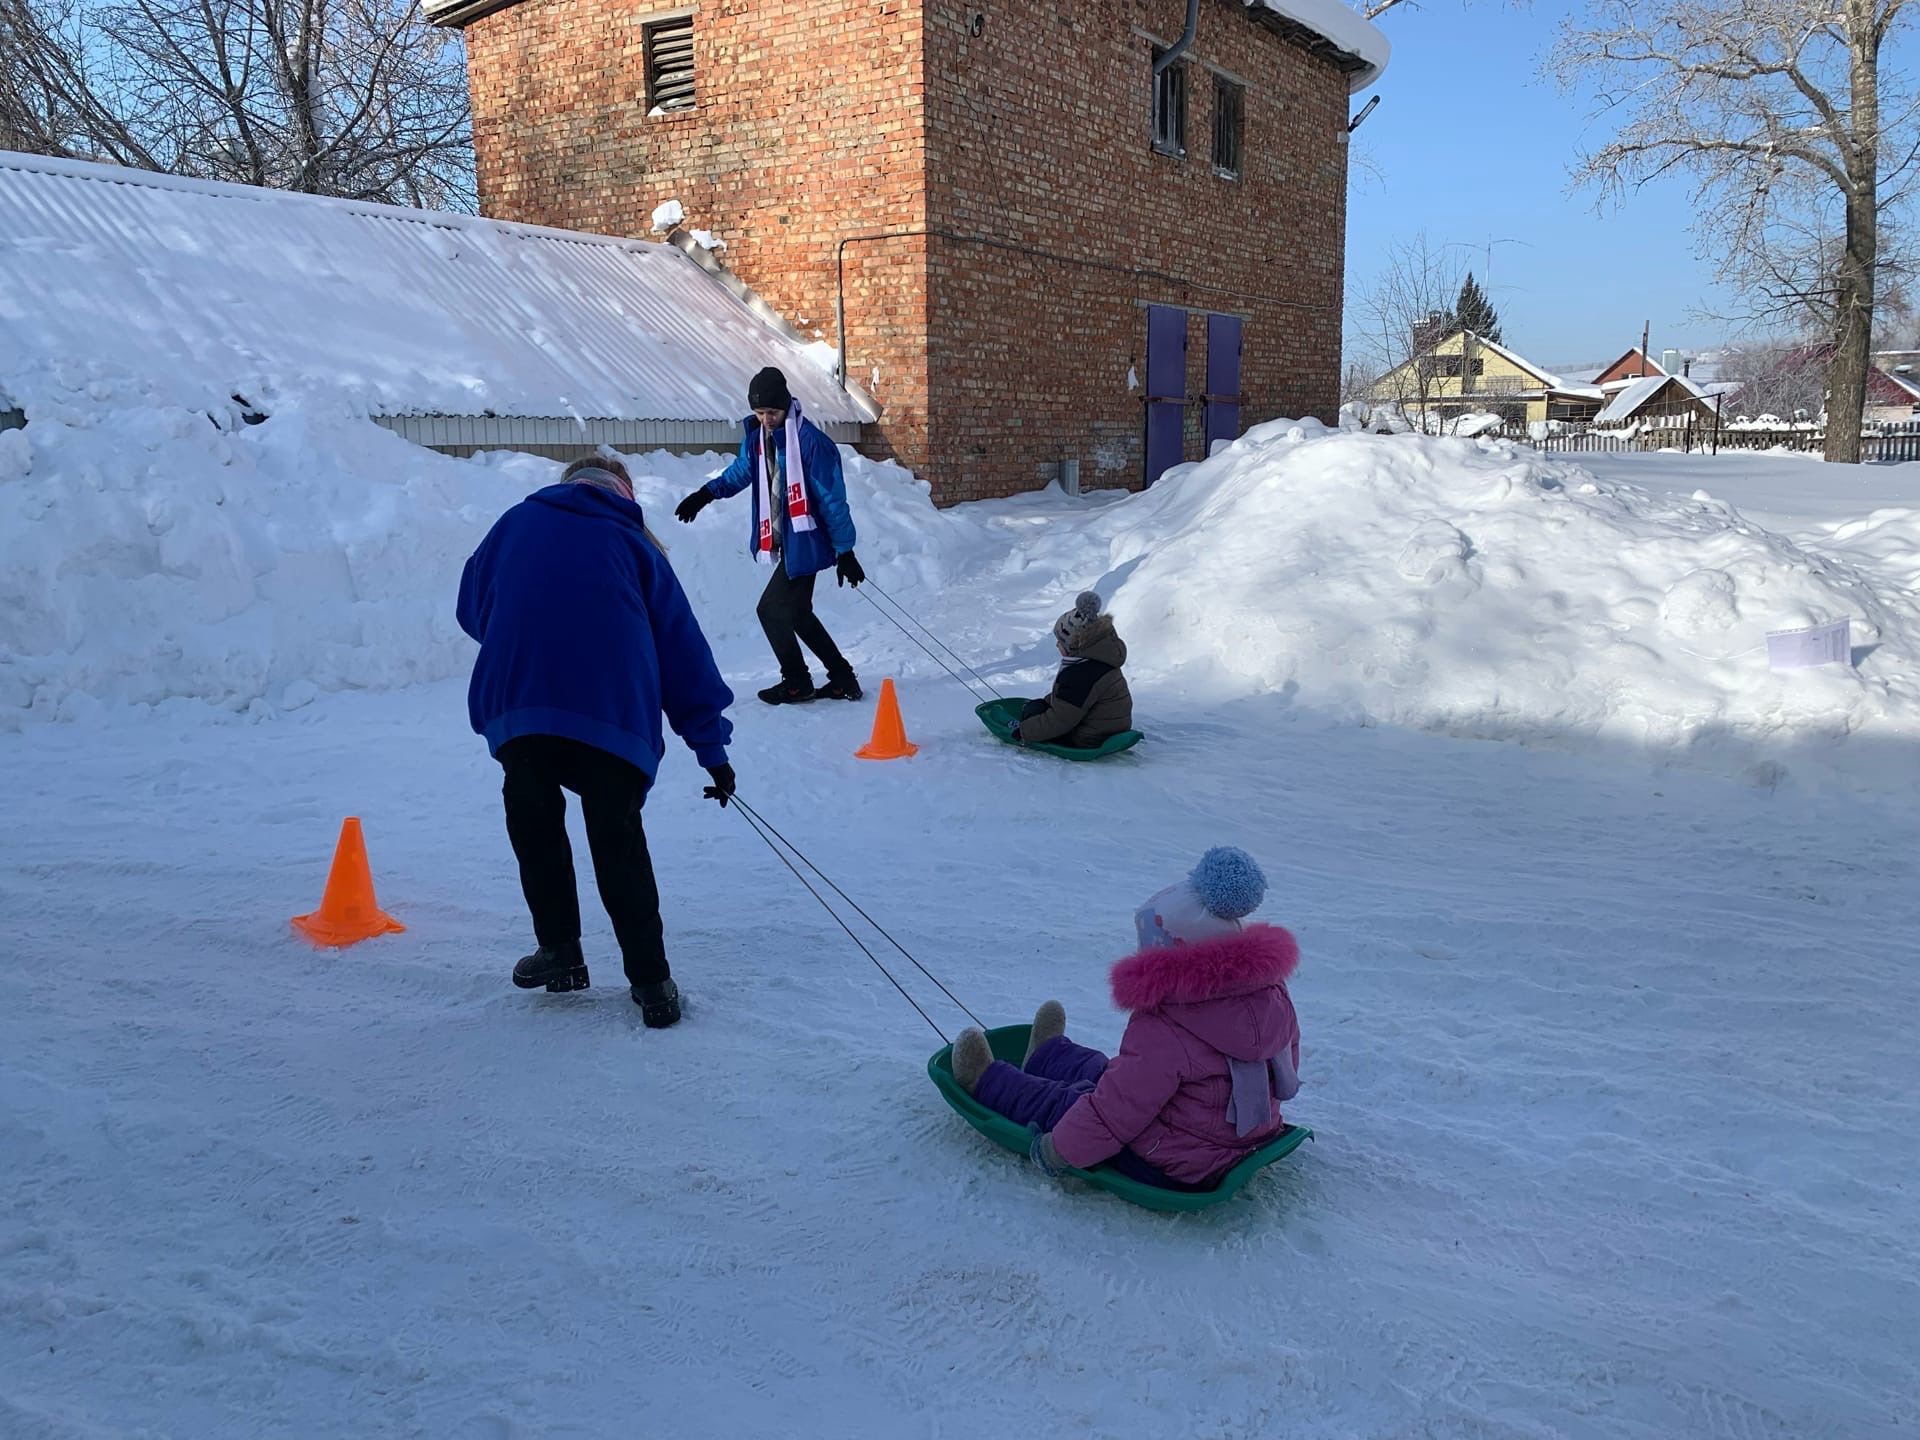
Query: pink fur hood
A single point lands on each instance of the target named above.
(1258, 957)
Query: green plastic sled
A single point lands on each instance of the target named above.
(1009, 1043)
(1000, 716)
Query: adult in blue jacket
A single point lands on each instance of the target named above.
(585, 639)
(801, 526)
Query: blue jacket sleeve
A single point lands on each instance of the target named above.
(476, 592)
(829, 487)
(692, 693)
(737, 476)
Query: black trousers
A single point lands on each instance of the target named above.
(539, 768)
(786, 614)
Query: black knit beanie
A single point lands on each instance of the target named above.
(769, 391)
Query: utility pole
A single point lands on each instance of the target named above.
(1646, 336)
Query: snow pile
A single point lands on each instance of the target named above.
(1485, 590)
(149, 555)
(1888, 540)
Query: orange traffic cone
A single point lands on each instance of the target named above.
(889, 740)
(348, 912)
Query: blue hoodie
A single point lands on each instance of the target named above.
(806, 552)
(585, 632)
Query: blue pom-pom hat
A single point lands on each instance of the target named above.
(1222, 890)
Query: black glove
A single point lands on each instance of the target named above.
(693, 505)
(722, 787)
(850, 571)
(1033, 708)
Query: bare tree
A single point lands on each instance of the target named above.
(356, 98)
(1396, 321)
(1799, 142)
(1783, 378)
(1359, 384)
(52, 87)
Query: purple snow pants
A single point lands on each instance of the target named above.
(1058, 1074)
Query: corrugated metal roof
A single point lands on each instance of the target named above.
(201, 290)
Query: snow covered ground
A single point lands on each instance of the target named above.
(1608, 1033)
(1863, 513)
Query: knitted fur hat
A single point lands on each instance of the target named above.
(1086, 609)
(1222, 890)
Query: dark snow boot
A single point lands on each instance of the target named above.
(561, 968)
(659, 1004)
(844, 687)
(788, 692)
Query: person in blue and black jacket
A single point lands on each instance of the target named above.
(586, 639)
(801, 526)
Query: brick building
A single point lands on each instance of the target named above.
(1029, 247)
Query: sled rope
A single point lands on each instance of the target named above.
(935, 979)
(968, 684)
(983, 681)
(765, 830)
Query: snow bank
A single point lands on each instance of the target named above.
(1485, 590)
(148, 555)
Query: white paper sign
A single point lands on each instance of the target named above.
(1829, 644)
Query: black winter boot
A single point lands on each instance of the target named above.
(560, 968)
(659, 1004)
(788, 692)
(840, 687)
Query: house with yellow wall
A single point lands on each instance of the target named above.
(1467, 374)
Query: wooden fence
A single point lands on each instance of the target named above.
(1880, 444)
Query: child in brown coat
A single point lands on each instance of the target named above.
(1090, 702)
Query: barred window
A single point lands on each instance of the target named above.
(1170, 107)
(1229, 111)
(669, 50)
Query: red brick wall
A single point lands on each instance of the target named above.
(807, 127)
(822, 119)
(1040, 133)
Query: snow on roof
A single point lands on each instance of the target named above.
(206, 290)
(1578, 367)
(1902, 378)
(1344, 28)
(1627, 403)
(1546, 377)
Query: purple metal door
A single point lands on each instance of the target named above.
(1223, 378)
(1166, 389)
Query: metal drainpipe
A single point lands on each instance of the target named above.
(1185, 42)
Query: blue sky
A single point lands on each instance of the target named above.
(1471, 143)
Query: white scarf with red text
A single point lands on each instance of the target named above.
(799, 511)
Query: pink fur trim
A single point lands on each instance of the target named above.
(1258, 956)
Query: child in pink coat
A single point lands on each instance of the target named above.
(1212, 1045)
